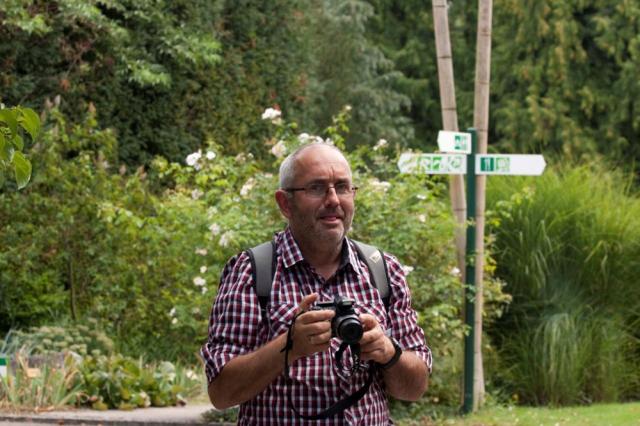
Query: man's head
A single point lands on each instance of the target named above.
(318, 214)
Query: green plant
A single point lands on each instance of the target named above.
(46, 388)
(13, 123)
(80, 339)
(121, 382)
(571, 262)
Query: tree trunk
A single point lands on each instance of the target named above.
(450, 122)
(481, 123)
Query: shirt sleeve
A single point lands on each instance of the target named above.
(235, 322)
(403, 318)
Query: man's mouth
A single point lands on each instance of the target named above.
(330, 218)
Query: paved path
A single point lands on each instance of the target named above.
(154, 416)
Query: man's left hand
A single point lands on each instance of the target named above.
(374, 345)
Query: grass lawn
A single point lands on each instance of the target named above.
(594, 415)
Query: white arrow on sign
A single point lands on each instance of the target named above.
(516, 164)
(454, 142)
(433, 164)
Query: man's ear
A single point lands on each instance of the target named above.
(284, 203)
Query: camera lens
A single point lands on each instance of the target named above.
(349, 329)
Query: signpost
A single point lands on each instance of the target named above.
(459, 157)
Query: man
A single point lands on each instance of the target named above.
(315, 261)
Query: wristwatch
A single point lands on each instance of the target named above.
(395, 357)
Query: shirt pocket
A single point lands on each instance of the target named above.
(280, 317)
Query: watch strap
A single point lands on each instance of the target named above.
(396, 356)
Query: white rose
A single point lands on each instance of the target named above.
(192, 159)
(211, 155)
(199, 281)
(214, 228)
(203, 269)
(279, 149)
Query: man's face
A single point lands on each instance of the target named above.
(319, 220)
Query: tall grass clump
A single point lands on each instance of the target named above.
(568, 247)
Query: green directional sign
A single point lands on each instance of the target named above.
(3, 365)
(515, 164)
(454, 142)
(433, 164)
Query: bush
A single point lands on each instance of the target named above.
(567, 245)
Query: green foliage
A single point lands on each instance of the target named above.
(13, 123)
(80, 339)
(571, 264)
(334, 33)
(50, 388)
(120, 55)
(125, 383)
(565, 76)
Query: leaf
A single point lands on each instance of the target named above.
(18, 142)
(30, 122)
(3, 144)
(8, 116)
(22, 168)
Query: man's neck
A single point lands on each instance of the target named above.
(325, 258)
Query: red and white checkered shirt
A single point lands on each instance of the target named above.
(236, 327)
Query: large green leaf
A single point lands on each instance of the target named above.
(9, 117)
(22, 168)
(30, 122)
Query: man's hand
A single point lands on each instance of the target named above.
(312, 329)
(374, 345)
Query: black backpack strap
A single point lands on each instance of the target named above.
(262, 270)
(377, 269)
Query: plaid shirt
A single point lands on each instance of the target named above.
(236, 327)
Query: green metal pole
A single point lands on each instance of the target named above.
(470, 273)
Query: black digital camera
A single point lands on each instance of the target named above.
(346, 324)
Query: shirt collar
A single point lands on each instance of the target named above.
(291, 254)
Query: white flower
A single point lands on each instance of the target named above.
(204, 290)
(195, 311)
(199, 281)
(196, 194)
(174, 321)
(421, 197)
(328, 141)
(347, 107)
(279, 149)
(191, 375)
(172, 312)
(201, 251)
(422, 218)
(271, 114)
(304, 137)
(317, 139)
(211, 155)
(247, 187)
(214, 228)
(225, 239)
(380, 185)
(407, 269)
(381, 144)
(455, 271)
(192, 159)
(203, 269)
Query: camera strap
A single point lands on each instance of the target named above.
(341, 405)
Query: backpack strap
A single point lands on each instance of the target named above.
(374, 259)
(263, 265)
(263, 259)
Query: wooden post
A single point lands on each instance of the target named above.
(481, 123)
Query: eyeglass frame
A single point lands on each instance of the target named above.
(348, 187)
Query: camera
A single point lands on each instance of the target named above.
(346, 324)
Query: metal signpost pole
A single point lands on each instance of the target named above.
(470, 273)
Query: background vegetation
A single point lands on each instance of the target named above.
(153, 167)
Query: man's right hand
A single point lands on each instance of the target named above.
(312, 329)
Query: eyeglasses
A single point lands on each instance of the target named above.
(319, 190)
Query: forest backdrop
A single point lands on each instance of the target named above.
(156, 162)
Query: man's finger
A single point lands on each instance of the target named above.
(307, 302)
(369, 322)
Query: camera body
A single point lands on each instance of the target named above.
(346, 324)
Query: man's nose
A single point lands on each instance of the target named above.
(331, 197)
